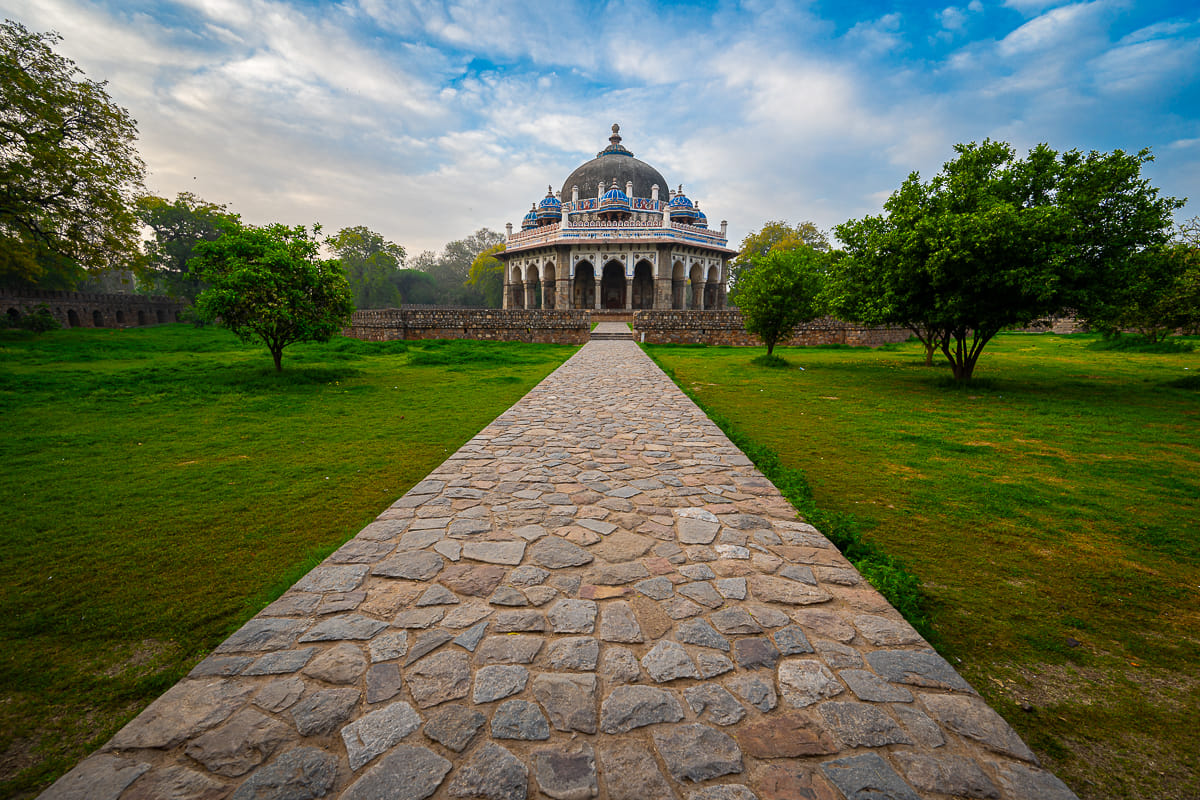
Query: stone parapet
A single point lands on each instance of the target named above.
(728, 328)
(543, 327)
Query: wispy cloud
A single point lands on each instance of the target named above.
(426, 119)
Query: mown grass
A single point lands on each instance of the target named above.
(159, 486)
(1049, 508)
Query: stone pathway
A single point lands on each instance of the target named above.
(597, 596)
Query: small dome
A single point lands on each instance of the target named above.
(550, 209)
(681, 208)
(701, 220)
(530, 220)
(550, 201)
(614, 199)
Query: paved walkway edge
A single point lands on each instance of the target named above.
(598, 596)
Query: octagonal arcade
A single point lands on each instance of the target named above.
(614, 237)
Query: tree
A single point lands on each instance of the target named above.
(68, 167)
(779, 291)
(177, 227)
(416, 287)
(372, 264)
(1162, 294)
(269, 285)
(854, 289)
(776, 236)
(451, 269)
(487, 275)
(994, 241)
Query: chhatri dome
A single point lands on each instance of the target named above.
(614, 237)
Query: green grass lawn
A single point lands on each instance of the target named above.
(158, 486)
(1051, 510)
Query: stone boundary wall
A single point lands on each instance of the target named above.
(726, 328)
(92, 309)
(1062, 324)
(487, 324)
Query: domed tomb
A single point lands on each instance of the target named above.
(613, 163)
(615, 239)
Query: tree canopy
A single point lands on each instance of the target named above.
(1162, 294)
(774, 237)
(451, 269)
(373, 266)
(994, 241)
(177, 226)
(487, 275)
(69, 170)
(779, 291)
(268, 284)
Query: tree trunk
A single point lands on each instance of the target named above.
(277, 354)
(929, 348)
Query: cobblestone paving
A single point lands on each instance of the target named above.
(597, 596)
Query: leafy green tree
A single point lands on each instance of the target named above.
(487, 275)
(781, 290)
(68, 167)
(268, 284)
(372, 264)
(416, 287)
(853, 291)
(776, 236)
(1160, 297)
(177, 227)
(1187, 289)
(1165, 295)
(451, 269)
(994, 241)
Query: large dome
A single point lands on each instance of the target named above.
(614, 163)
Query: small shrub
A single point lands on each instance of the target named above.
(772, 362)
(39, 320)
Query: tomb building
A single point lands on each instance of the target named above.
(615, 237)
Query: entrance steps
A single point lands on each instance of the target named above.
(612, 332)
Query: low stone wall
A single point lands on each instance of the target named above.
(544, 327)
(727, 328)
(1062, 324)
(93, 310)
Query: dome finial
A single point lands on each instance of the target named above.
(616, 137)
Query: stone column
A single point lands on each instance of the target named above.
(507, 290)
(530, 295)
(662, 292)
(564, 283)
(596, 296)
(628, 293)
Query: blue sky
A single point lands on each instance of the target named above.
(428, 120)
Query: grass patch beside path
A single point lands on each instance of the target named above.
(1049, 509)
(159, 486)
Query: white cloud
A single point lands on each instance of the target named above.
(1058, 28)
(1031, 7)
(952, 18)
(1146, 66)
(878, 36)
(426, 120)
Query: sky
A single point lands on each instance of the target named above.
(426, 121)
